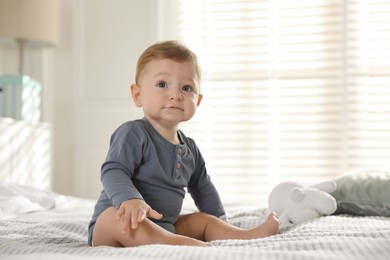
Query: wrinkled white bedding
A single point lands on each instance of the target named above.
(17, 199)
(60, 232)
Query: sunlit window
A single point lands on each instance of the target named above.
(293, 90)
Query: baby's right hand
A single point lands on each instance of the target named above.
(134, 211)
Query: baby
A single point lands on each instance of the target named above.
(150, 162)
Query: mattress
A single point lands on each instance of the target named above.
(56, 228)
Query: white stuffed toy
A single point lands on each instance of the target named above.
(295, 204)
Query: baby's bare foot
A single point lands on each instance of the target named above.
(269, 227)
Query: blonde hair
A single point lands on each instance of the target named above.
(173, 50)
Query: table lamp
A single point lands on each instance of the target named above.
(26, 23)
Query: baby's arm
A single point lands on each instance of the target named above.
(208, 201)
(134, 211)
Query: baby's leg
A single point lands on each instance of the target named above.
(107, 232)
(205, 227)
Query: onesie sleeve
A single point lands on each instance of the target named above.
(124, 156)
(203, 191)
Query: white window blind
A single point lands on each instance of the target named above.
(293, 90)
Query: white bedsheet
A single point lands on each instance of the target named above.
(61, 233)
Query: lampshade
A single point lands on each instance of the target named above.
(33, 21)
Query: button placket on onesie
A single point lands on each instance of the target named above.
(178, 163)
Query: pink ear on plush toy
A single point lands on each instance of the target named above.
(297, 194)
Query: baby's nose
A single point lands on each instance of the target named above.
(176, 94)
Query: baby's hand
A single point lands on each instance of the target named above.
(133, 212)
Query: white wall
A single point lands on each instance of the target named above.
(86, 81)
(95, 66)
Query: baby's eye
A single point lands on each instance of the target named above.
(187, 88)
(161, 84)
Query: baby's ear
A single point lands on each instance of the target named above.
(136, 94)
(200, 97)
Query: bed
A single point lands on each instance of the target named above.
(37, 224)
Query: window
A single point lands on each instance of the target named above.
(293, 90)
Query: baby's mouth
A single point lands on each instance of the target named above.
(175, 108)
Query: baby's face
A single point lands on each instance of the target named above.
(169, 91)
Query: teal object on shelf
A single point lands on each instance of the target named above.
(20, 98)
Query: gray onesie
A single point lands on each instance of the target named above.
(142, 164)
